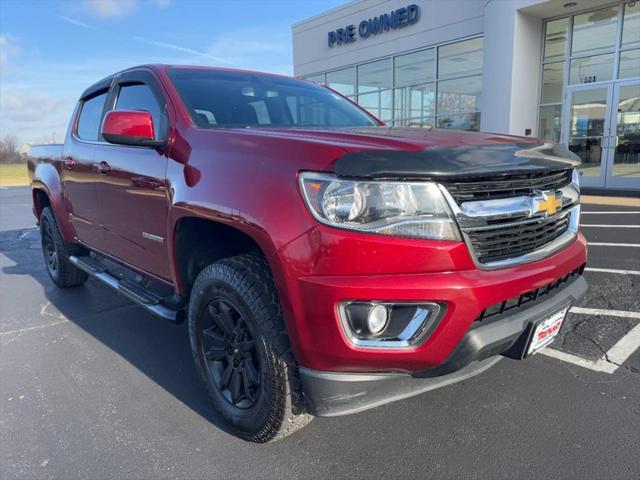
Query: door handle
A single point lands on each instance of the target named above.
(69, 162)
(102, 167)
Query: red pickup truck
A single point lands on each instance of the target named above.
(325, 263)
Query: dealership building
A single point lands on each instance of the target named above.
(567, 71)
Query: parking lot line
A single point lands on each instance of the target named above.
(608, 226)
(623, 349)
(605, 313)
(611, 213)
(614, 357)
(601, 365)
(612, 270)
(605, 244)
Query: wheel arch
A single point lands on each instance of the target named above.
(198, 242)
(46, 191)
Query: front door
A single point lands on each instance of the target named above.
(602, 127)
(623, 166)
(132, 191)
(587, 129)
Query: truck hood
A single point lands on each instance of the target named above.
(401, 152)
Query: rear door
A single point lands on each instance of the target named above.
(79, 174)
(132, 188)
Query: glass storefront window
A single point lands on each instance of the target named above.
(552, 82)
(629, 64)
(459, 95)
(555, 39)
(586, 128)
(595, 32)
(626, 161)
(467, 121)
(415, 122)
(375, 76)
(378, 104)
(342, 81)
(550, 122)
(597, 68)
(631, 25)
(415, 101)
(316, 78)
(462, 58)
(414, 68)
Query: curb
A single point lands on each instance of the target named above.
(613, 201)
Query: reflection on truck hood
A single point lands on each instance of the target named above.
(400, 152)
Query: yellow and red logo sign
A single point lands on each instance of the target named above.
(548, 204)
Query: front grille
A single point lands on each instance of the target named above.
(514, 305)
(501, 242)
(476, 188)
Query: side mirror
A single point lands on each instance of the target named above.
(130, 127)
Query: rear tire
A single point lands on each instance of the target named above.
(242, 352)
(56, 253)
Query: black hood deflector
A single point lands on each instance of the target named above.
(468, 160)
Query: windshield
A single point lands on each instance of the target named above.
(225, 99)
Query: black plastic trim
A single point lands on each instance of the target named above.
(500, 336)
(331, 394)
(441, 163)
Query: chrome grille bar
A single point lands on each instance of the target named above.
(509, 231)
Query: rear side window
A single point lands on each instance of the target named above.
(91, 117)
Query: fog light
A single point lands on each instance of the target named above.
(389, 324)
(378, 319)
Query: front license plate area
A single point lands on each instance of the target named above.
(545, 331)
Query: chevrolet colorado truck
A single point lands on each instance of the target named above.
(325, 263)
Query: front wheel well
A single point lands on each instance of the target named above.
(200, 242)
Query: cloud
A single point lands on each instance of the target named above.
(33, 113)
(9, 50)
(119, 8)
(179, 48)
(73, 21)
(111, 8)
(270, 53)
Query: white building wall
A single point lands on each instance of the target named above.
(512, 29)
(511, 71)
(440, 21)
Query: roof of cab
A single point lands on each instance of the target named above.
(106, 82)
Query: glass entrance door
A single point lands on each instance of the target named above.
(623, 145)
(586, 130)
(602, 127)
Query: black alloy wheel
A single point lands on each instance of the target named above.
(56, 253)
(241, 349)
(49, 249)
(229, 347)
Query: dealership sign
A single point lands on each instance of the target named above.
(400, 18)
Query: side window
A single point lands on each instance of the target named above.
(139, 97)
(91, 117)
(262, 113)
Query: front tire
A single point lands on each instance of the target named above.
(241, 349)
(56, 253)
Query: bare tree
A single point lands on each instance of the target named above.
(9, 152)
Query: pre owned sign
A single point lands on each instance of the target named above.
(399, 18)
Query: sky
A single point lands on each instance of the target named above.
(50, 51)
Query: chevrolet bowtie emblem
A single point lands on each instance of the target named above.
(548, 204)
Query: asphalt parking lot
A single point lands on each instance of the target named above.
(93, 387)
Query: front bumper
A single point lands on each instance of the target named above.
(325, 269)
(332, 394)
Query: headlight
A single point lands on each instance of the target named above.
(402, 209)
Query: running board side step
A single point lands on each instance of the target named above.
(146, 299)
